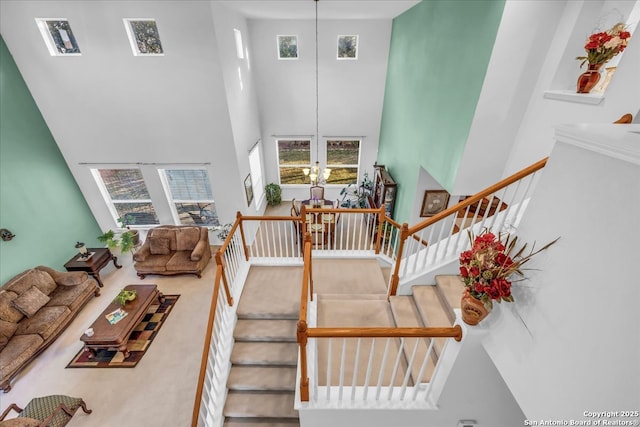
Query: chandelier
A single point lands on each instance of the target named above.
(314, 173)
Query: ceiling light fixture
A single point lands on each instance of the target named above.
(314, 171)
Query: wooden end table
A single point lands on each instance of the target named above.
(105, 335)
(99, 259)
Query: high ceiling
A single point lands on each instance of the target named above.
(327, 9)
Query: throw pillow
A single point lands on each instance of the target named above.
(159, 245)
(187, 238)
(7, 311)
(30, 301)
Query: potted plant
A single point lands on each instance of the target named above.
(126, 243)
(274, 194)
(125, 296)
(127, 221)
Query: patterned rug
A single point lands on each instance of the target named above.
(139, 340)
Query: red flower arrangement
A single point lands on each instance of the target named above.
(486, 268)
(602, 47)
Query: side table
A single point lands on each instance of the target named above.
(99, 259)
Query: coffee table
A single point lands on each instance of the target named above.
(99, 259)
(106, 335)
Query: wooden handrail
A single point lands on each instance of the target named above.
(301, 332)
(481, 195)
(444, 332)
(207, 345)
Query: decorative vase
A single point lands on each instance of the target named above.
(473, 310)
(589, 79)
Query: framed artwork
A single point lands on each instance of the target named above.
(287, 47)
(248, 189)
(434, 201)
(348, 47)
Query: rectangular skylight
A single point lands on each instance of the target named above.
(239, 47)
(348, 47)
(58, 37)
(143, 37)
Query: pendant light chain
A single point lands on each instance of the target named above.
(317, 92)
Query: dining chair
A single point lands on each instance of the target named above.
(294, 207)
(316, 192)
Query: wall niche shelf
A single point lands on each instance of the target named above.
(571, 96)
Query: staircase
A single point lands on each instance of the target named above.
(262, 379)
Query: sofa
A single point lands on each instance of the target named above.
(36, 306)
(173, 249)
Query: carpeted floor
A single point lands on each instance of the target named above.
(139, 341)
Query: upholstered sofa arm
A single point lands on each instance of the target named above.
(65, 278)
(143, 252)
(199, 250)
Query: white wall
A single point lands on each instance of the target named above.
(241, 93)
(571, 340)
(110, 107)
(351, 92)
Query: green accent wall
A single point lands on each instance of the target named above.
(40, 201)
(438, 58)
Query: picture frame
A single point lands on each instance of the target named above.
(248, 189)
(287, 47)
(435, 201)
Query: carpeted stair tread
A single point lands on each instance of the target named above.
(265, 330)
(261, 422)
(352, 297)
(451, 288)
(265, 353)
(354, 313)
(256, 404)
(348, 276)
(271, 293)
(431, 311)
(405, 314)
(280, 378)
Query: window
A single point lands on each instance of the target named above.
(239, 47)
(293, 155)
(190, 196)
(287, 47)
(343, 158)
(143, 37)
(58, 37)
(126, 193)
(347, 47)
(255, 166)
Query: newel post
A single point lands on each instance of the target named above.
(395, 277)
(220, 262)
(304, 376)
(381, 216)
(244, 243)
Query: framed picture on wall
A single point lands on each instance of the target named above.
(434, 201)
(248, 189)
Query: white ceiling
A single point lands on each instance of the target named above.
(327, 9)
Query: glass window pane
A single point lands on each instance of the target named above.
(343, 176)
(125, 184)
(293, 175)
(197, 214)
(294, 152)
(343, 152)
(137, 213)
(189, 184)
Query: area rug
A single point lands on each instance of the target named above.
(139, 340)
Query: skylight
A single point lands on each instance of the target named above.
(239, 47)
(143, 37)
(58, 36)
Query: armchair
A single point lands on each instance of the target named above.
(47, 411)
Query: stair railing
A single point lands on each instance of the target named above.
(442, 237)
(209, 400)
(387, 375)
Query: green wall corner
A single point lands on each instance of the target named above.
(438, 58)
(40, 201)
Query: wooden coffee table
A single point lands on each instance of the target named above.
(99, 259)
(106, 335)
